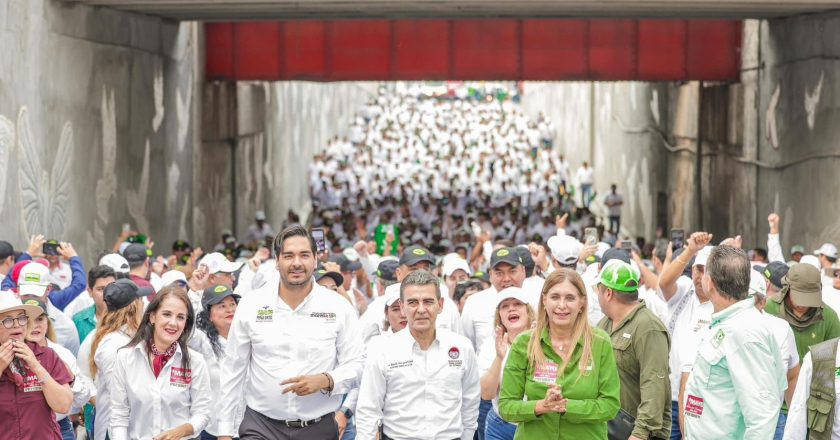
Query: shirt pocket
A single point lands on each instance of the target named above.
(448, 385)
(624, 357)
(709, 367)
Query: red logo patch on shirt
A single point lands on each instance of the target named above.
(454, 353)
(31, 384)
(180, 377)
(694, 406)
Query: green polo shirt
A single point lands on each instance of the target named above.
(85, 322)
(826, 328)
(592, 398)
(641, 345)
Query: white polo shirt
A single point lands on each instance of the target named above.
(420, 395)
(269, 343)
(144, 406)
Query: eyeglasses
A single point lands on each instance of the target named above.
(10, 322)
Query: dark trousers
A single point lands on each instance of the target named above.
(615, 223)
(256, 426)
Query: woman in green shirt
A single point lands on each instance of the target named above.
(561, 380)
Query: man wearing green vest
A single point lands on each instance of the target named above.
(641, 345)
(800, 304)
(813, 412)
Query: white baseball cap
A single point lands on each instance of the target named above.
(827, 249)
(703, 256)
(511, 292)
(216, 262)
(758, 284)
(565, 249)
(450, 265)
(34, 278)
(812, 260)
(116, 262)
(260, 215)
(391, 298)
(173, 276)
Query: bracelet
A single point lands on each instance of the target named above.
(328, 390)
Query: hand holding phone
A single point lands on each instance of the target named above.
(677, 239)
(320, 240)
(590, 236)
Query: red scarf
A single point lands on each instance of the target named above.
(160, 359)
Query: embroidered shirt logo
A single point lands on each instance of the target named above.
(454, 353)
(265, 314)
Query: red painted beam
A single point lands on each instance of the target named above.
(644, 50)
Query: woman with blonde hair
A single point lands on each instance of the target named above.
(564, 367)
(42, 333)
(118, 326)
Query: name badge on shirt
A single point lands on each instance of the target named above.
(694, 406)
(327, 317)
(31, 384)
(546, 374)
(265, 314)
(180, 377)
(455, 357)
(401, 364)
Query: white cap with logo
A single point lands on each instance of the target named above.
(34, 278)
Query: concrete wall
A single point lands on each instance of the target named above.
(96, 117)
(276, 128)
(617, 128)
(797, 108)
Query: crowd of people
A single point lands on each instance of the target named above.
(423, 301)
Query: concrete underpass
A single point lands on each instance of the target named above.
(108, 117)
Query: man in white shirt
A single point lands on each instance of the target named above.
(690, 310)
(423, 383)
(259, 230)
(295, 349)
(585, 178)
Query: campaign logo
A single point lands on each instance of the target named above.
(180, 377)
(454, 353)
(418, 252)
(265, 314)
(694, 406)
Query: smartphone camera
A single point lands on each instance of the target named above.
(51, 248)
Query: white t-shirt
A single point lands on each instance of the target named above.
(691, 320)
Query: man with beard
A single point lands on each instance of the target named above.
(295, 349)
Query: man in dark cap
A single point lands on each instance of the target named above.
(800, 304)
(138, 259)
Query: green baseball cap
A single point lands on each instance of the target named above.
(619, 276)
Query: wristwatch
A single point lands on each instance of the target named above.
(348, 413)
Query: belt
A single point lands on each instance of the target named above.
(300, 423)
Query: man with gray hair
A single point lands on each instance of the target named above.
(734, 386)
(424, 380)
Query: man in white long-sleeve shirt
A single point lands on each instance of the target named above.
(422, 384)
(293, 349)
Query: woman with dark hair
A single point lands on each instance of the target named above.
(218, 304)
(161, 389)
(34, 383)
